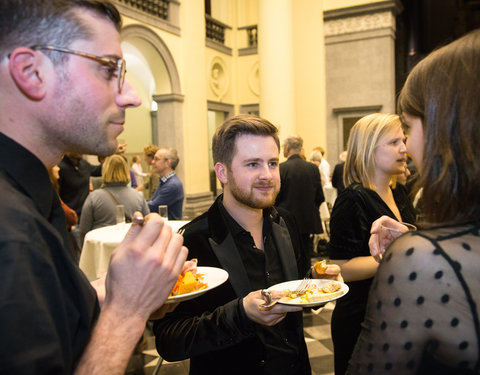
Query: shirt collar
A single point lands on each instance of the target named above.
(236, 228)
(28, 172)
(167, 177)
(233, 227)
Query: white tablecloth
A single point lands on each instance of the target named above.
(100, 243)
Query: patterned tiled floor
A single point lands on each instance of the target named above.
(317, 336)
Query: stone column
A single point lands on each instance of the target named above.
(194, 87)
(275, 52)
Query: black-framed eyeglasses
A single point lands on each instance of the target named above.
(117, 65)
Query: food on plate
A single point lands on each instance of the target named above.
(189, 280)
(321, 267)
(331, 287)
(315, 293)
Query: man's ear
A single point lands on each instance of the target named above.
(26, 68)
(221, 172)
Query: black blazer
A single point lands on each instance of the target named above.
(213, 330)
(301, 193)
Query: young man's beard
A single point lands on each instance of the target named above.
(248, 196)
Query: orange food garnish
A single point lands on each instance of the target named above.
(188, 283)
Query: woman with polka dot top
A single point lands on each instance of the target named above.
(376, 153)
(422, 314)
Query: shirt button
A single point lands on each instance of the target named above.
(268, 274)
(261, 363)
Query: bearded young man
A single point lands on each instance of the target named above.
(226, 330)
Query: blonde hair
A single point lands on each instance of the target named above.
(115, 169)
(364, 137)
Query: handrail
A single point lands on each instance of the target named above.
(215, 29)
(157, 8)
(251, 34)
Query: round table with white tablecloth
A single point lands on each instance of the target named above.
(100, 243)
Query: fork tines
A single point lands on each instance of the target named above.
(302, 288)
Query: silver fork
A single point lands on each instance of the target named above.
(181, 231)
(301, 288)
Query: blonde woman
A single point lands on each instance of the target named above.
(376, 154)
(100, 206)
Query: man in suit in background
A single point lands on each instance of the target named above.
(301, 194)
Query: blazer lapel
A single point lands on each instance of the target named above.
(285, 249)
(228, 256)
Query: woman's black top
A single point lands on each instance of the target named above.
(422, 315)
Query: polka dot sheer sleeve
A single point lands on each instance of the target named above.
(421, 314)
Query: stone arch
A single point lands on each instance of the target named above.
(142, 32)
(158, 62)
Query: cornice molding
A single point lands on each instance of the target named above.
(361, 18)
(394, 6)
(357, 24)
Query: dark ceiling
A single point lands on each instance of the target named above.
(425, 25)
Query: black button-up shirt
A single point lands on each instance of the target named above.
(47, 306)
(264, 269)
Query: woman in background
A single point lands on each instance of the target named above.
(99, 209)
(422, 315)
(376, 154)
(138, 170)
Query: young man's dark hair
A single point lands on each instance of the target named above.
(223, 142)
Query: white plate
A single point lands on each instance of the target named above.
(292, 285)
(212, 276)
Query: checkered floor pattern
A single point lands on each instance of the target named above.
(317, 336)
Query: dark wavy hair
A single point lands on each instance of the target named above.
(444, 91)
(54, 22)
(223, 142)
